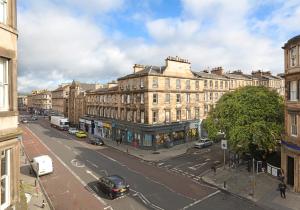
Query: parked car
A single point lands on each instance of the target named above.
(24, 121)
(202, 143)
(72, 131)
(34, 118)
(81, 134)
(96, 141)
(113, 186)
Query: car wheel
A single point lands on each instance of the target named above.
(110, 195)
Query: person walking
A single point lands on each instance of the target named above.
(282, 189)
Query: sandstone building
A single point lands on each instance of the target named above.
(60, 100)
(40, 101)
(9, 131)
(290, 150)
(158, 106)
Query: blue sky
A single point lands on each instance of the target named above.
(100, 40)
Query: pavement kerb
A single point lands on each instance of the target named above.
(228, 192)
(40, 183)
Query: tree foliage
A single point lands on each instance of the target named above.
(250, 117)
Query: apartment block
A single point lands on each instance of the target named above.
(40, 101)
(76, 100)
(22, 102)
(9, 131)
(60, 99)
(290, 144)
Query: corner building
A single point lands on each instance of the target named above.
(290, 144)
(9, 131)
(159, 106)
(151, 108)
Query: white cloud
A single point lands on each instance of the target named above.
(57, 46)
(53, 41)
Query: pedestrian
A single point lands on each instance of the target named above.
(121, 140)
(282, 189)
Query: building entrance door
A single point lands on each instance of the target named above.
(290, 171)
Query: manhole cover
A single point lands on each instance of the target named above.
(155, 152)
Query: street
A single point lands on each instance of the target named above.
(78, 165)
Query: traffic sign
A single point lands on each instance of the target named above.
(224, 144)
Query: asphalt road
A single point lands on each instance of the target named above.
(195, 162)
(152, 186)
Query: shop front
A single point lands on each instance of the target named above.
(152, 137)
(98, 131)
(82, 124)
(107, 130)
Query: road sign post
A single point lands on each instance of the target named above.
(224, 148)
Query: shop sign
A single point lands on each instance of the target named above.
(88, 122)
(82, 120)
(106, 125)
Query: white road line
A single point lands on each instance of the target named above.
(91, 173)
(93, 164)
(145, 200)
(68, 147)
(198, 201)
(68, 168)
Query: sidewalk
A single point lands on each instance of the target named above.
(239, 182)
(150, 155)
(33, 193)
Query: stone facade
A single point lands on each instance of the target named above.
(60, 99)
(154, 105)
(9, 131)
(290, 149)
(40, 101)
(22, 102)
(76, 100)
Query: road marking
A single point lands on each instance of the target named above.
(198, 201)
(91, 173)
(77, 163)
(195, 167)
(68, 147)
(93, 164)
(145, 200)
(68, 168)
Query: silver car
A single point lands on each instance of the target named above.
(72, 131)
(202, 143)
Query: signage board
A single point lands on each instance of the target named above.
(224, 144)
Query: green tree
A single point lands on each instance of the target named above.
(250, 117)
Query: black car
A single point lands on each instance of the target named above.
(113, 186)
(96, 141)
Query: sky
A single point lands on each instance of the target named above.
(100, 40)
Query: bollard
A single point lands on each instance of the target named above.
(127, 150)
(224, 185)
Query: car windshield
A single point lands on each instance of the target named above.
(118, 183)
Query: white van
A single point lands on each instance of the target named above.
(42, 165)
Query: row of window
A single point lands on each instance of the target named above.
(178, 98)
(178, 83)
(139, 116)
